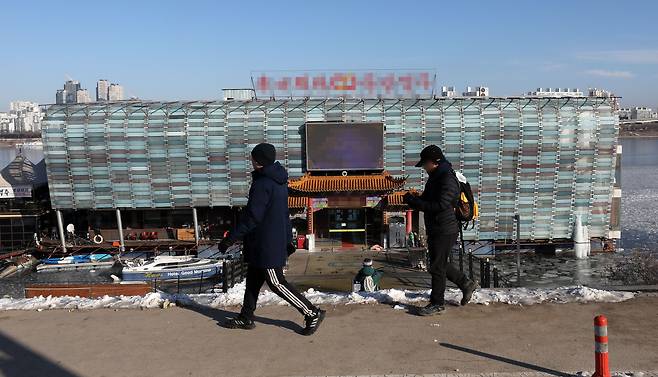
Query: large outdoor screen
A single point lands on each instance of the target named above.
(344, 146)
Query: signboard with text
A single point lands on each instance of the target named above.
(7, 192)
(352, 84)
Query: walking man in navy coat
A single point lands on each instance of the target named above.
(267, 233)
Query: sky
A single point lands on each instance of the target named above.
(189, 50)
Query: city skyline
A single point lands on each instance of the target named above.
(524, 46)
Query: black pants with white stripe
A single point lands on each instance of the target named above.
(278, 284)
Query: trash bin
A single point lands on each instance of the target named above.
(301, 241)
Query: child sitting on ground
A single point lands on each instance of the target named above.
(368, 278)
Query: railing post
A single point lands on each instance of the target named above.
(487, 272)
(517, 217)
(470, 264)
(224, 276)
(461, 249)
(495, 277)
(483, 282)
(201, 281)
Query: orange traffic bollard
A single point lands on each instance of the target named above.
(601, 346)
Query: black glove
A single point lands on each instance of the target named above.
(225, 244)
(411, 200)
(291, 248)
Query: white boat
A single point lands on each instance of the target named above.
(74, 266)
(167, 267)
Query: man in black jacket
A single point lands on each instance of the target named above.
(267, 232)
(438, 202)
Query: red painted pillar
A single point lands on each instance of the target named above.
(409, 221)
(601, 346)
(309, 216)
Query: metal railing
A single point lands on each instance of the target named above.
(232, 272)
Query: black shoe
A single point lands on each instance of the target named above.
(431, 309)
(241, 322)
(313, 322)
(467, 291)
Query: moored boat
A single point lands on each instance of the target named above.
(172, 268)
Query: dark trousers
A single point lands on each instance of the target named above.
(278, 284)
(439, 248)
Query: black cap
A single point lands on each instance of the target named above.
(264, 154)
(430, 153)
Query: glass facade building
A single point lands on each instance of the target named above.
(546, 159)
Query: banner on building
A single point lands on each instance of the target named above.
(9, 192)
(373, 201)
(351, 84)
(319, 203)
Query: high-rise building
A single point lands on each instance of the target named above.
(115, 92)
(60, 97)
(102, 87)
(82, 96)
(6, 123)
(71, 87)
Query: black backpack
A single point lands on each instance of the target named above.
(466, 208)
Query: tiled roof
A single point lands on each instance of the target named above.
(395, 199)
(351, 183)
(297, 201)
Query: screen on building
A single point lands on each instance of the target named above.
(344, 146)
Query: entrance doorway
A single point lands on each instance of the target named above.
(341, 227)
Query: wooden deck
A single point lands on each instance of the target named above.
(87, 290)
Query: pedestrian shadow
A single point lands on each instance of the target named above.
(17, 360)
(507, 360)
(222, 317)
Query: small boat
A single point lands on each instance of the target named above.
(16, 265)
(84, 258)
(172, 268)
(76, 262)
(75, 266)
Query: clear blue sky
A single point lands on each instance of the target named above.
(191, 49)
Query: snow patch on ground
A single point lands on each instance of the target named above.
(510, 296)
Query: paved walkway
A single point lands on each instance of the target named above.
(354, 340)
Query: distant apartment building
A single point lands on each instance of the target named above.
(60, 96)
(115, 92)
(595, 92)
(6, 122)
(625, 113)
(478, 91)
(74, 93)
(102, 87)
(556, 92)
(641, 113)
(82, 96)
(448, 91)
(238, 94)
(23, 116)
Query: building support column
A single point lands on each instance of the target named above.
(196, 226)
(60, 229)
(309, 217)
(120, 228)
(409, 221)
(310, 233)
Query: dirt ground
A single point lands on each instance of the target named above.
(354, 340)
